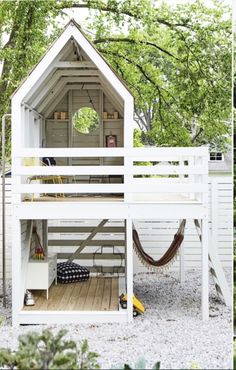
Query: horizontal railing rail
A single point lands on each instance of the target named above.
(111, 170)
(112, 152)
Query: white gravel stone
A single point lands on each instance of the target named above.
(171, 330)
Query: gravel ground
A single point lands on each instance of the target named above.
(170, 331)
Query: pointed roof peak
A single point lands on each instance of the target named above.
(72, 22)
(74, 30)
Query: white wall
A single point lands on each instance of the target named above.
(156, 235)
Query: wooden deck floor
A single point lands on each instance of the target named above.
(138, 198)
(86, 198)
(96, 294)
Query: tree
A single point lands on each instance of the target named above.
(26, 24)
(86, 120)
(176, 61)
(179, 71)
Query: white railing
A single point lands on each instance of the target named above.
(144, 171)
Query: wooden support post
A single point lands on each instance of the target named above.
(129, 268)
(205, 272)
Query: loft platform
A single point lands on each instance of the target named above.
(154, 175)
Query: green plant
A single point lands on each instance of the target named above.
(2, 320)
(86, 120)
(194, 365)
(141, 364)
(47, 351)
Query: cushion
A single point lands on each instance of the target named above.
(70, 272)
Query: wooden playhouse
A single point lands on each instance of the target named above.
(94, 191)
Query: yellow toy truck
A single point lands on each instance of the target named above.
(138, 307)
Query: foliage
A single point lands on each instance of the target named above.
(86, 120)
(176, 60)
(137, 138)
(2, 319)
(194, 365)
(48, 351)
(26, 24)
(141, 364)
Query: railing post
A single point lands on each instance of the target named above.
(129, 268)
(128, 165)
(205, 248)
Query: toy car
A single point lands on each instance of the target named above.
(138, 307)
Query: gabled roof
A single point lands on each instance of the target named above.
(72, 29)
(109, 65)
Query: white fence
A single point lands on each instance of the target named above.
(156, 235)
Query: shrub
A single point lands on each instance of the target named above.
(47, 351)
(140, 364)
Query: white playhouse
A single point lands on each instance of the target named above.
(79, 188)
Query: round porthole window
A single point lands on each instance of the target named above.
(86, 120)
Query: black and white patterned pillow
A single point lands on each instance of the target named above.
(70, 272)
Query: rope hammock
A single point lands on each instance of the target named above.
(169, 256)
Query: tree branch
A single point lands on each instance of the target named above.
(132, 41)
(112, 9)
(194, 138)
(103, 51)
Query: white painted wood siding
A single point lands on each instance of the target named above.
(57, 132)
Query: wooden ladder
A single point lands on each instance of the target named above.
(216, 270)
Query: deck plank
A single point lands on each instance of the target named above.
(75, 294)
(91, 294)
(98, 295)
(105, 306)
(114, 295)
(79, 304)
(66, 294)
(54, 297)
